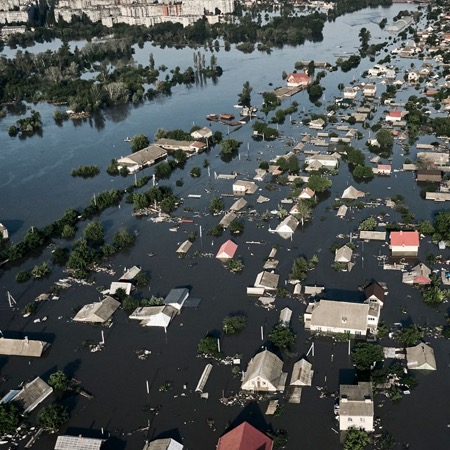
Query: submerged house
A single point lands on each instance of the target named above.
(155, 316)
(267, 280)
(244, 437)
(98, 312)
(419, 274)
(67, 442)
(23, 347)
(333, 317)
(177, 297)
(142, 158)
(264, 374)
(298, 80)
(227, 250)
(343, 254)
(352, 193)
(374, 292)
(420, 357)
(356, 408)
(302, 373)
(29, 396)
(404, 243)
(163, 444)
(287, 227)
(3, 232)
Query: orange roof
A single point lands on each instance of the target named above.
(404, 239)
(421, 279)
(298, 77)
(227, 250)
(384, 167)
(395, 114)
(245, 437)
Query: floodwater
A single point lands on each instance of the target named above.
(36, 188)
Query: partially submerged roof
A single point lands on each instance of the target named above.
(22, 347)
(238, 204)
(302, 373)
(420, 357)
(374, 291)
(266, 365)
(244, 437)
(176, 297)
(115, 285)
(78, 443)
(356, 400)
(98, 312)
(184, 247)
(267, 280)
(343, 254)
(130, 274)
(227, 250)
(163, 444)
(372, 235)
(404, 238)
(30, 395)
(352, 193)
(227, 219)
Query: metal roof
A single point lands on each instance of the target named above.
(97, 312)
(22, 347)
(78, 443)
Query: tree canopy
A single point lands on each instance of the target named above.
(365, 355)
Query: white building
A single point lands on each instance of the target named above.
(356, 407)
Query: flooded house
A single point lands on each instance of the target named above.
(3, 232)
(302, 373)
(350, 92)
(343, 254)
(307, 193)
(202, 133)
(143, 158)
(67, 442)
(298, 80)
(184, 247)
(264, 374)
(23, 347)
(429, 175)
(267, 280)
(30, 396)
(356, 409)
(372, 235)
(244, 437)
(176, 298)
(325, 161)
(370, 90)
(98, 312)
(352, 193)
(242, 187)
(419, 275)
(333, 317)
(404, 243)
(227, 250)
(374, 292)
(154, 316)
(420, 357)
(163, 444)
(287, 227)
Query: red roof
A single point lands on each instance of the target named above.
(421, 279)
(227, 250)
(298, 77)
(384, 167)
(404, 239)
(244, 437)
(396, 114)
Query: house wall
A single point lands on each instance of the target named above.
(258, 384)
(404, 250)
(359, 422)
(336, 330)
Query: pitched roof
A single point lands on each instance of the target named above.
(395, 114)
(98, 311)
(343, 254)
(266, 365)
(298, 77)
(356, 400)
(302, 373)
(32, 394)
(22, 347)
(227, 250)
(163, 444)
(352, 192)
(374, 290)
(77, 443)
(421, 357)
(404, 238)
(244, 437)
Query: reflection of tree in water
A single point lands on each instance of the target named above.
(99, 121)
(119, 113)
(18, 109)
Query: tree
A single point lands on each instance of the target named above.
(425, 227)
(233, 324)
(410, 335)
(304, 211)
(52, 417)
(196, 172)
(236, 226)
(123, 239)
(318, 183)
(368, 224)
(363, 172)
(41, 270)
(299, 269)
(434, 294)
(365, 355)
(442, 224)
(282, 337)
(229, 146)
(216, 205)
(245, 96)
(94, 232)
(385, 139)
(139, 142)
(356, 440)
(59, 381)
(9, 418)
(208, 347)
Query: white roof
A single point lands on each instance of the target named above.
(302, 373)
(78, 443)
(120, 285)
(420, 357)
(97, 312)
(130, 273)
(22, 347)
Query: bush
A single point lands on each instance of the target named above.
(233, 324)
(208, 347)
(23, 276)
(52, 417)
(282, 337)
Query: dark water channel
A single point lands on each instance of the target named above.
(36, 188)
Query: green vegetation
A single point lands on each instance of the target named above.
(233, 324)
(229, 147)
(27, 126)
(262, 130)
(93, 232)
(235, 265)
(59, 381)
(410, 335)
(86, 171)
(139, 142)
(244, 97)
(356, 440)
(41, 270)
(236, 226)
(216, 205)
(368, 224)
(319, 183)
(52, 417)
(208, 347)
(433, 294)
(216, 230)
(366, 355)
(282, 337)
(196, 172)
(29, 309)
(9, 418)
(23, 276)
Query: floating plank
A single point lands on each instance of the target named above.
(203, 378)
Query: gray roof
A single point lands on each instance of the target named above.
(265, 365)
(227, 219)
(163, 444)
(78, 443)
(22, 347)
(352, 193)
(130, 274)
(372, 235)
(421, 357)
(238, 204)
(97, 312)
(32, 394)
(343, 254)
(147, 155)
(184, 247)
(267, 280)
(288, 224)
(176, 296)
(302, 373)
(356, 400)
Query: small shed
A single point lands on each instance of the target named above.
(177, 297)
(342, 211)
(227, 250)
(285, 317)
(130, 274)
(420, 357)
(302, 373)
(184, 247)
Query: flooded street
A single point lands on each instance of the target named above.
(36, 188)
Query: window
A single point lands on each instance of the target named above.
(362, 419)
(349, 419)
(344, 319)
